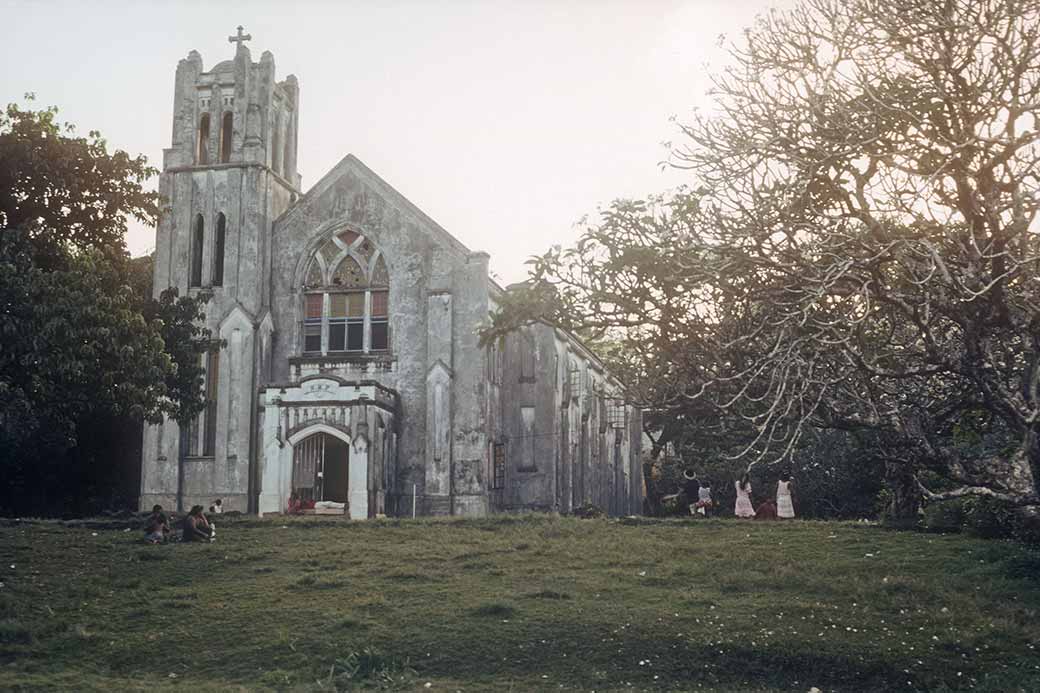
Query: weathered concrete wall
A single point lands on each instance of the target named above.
(434, 303)
(562, 451)
(249, 195)
(454, 400)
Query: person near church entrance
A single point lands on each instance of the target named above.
(157, 526)
(704, 502)
(743, 507)
(691, 488)
(196, 527)
(784, 504)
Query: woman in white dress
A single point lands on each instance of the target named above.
(784, 506)
(744, 507)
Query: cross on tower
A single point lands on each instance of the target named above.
(240, 38)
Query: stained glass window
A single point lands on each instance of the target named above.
(355, 318)
(348, 274)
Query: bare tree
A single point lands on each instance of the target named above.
(858, 247)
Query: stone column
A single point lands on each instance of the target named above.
(469, 430)
(439, 410)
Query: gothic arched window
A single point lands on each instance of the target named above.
(276, 145)
(198, 238)
(202, 149)
(218, 251)
(225, 137)
(346, 289)
(286, 155)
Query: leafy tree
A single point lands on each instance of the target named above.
(858, 247)
(81, 351)
(67, 192)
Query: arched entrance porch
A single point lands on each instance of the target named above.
(329, 468)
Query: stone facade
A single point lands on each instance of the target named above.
(350, 369)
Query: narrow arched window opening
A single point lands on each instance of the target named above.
(286, 162)
(202, 147)
(225, 137)
(197, 240)
(276, 145)
(218, 251)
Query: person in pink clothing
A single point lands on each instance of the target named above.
(744, 507)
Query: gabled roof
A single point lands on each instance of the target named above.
(352, 163)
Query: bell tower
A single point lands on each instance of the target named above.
(229, 173)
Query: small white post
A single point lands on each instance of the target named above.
(413, 501)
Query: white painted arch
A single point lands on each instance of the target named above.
(357, 465)
(318, 428)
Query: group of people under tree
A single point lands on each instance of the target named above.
(195, 526)
(699, 500)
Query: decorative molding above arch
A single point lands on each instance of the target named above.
(318, 427)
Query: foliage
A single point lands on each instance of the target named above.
(82, 351)
(856, 249)
(67, 192)
(732, 605)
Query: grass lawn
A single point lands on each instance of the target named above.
(517, 604)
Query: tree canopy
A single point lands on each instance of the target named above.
(79, 341)
(857, 247)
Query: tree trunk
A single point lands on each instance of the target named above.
(905, 496)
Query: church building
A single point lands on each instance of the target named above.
(349, 373)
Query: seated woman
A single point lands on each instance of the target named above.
(157, 526)
(195, 526)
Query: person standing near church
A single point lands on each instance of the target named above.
(784, 504)
(744, 508)
(691, 488)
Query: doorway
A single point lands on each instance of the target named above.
(320, 469)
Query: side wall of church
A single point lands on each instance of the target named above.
(438, 297)
(568, 437)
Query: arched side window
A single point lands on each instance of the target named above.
(198, 238)
(346, 299)
(218, 250)
(286, 154)
(225, 137)
(276, 144)
(202, 147)
(527, 356)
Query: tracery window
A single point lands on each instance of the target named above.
(346, 298)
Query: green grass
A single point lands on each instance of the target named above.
(517, 604)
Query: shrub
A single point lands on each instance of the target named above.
(589, 512)
(947, 516)
(369, 666)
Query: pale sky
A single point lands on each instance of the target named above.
(505, 121)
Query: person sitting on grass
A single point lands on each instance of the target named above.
(195, 526)
(217, 507)
(157, 526)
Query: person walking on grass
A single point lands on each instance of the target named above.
(744, 507)
(784, 505)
